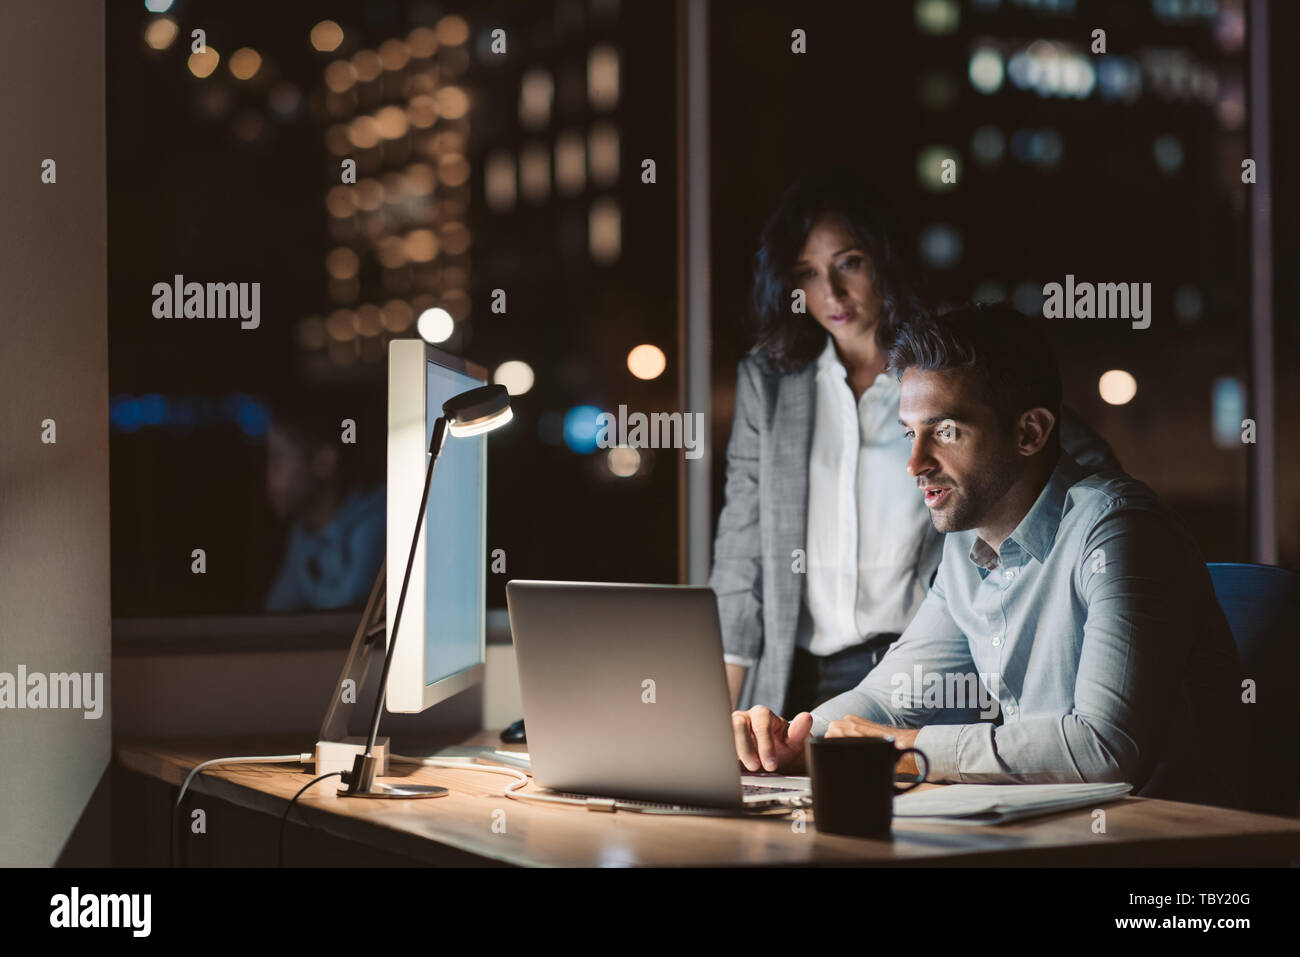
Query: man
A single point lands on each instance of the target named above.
(337, 529)
(1077, 606)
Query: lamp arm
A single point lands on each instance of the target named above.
(435, 449)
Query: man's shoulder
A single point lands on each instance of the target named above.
(1109, 488)
(363, 509)
(1114, 496)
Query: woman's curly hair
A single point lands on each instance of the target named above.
(791, 340)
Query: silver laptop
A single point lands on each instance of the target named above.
(625, 695)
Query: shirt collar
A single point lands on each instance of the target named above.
(829, 362)
(1036, 532)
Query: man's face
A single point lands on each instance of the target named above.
(290, 480)
(963, 458)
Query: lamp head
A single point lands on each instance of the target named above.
(478, 410)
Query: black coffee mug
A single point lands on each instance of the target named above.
(853, 784)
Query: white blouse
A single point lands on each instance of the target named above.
(871, 548)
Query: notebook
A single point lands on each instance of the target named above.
(1000, 803)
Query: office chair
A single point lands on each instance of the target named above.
(1262, 605)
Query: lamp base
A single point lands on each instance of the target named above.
(397, 791)
(360, 782)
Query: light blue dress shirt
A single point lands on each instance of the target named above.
(336, 566)
(1091, 649)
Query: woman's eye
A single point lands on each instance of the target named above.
(853, 262)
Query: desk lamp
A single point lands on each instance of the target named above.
(470, 413)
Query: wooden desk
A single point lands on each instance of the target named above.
(459, 828)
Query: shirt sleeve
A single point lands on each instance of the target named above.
(736, 576)
(1134, 643)
(893, 692)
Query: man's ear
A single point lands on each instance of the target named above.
(1033, 430)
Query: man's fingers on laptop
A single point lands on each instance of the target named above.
(769, 731)
(756, 723)
(743, 732)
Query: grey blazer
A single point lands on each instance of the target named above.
(765, 512)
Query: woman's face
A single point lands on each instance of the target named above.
(835, 275)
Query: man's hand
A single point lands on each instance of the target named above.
(851, 726)
(767, 742)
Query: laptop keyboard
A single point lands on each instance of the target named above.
(646, 805)
(666, 807)
(764, 789)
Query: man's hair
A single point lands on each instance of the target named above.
(312, 416)
(999, 352)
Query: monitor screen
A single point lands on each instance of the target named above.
(456, 564)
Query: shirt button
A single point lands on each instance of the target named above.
(1011, 573)
(996, 641)
(1010, 710)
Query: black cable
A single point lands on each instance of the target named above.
(173, 859)
(174, 844)
(174, 847)
(279, 844)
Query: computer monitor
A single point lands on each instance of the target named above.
(442, 637)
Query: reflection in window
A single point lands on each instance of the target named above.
(499, 181)
(602, 77)
(605, 231)
(570, 163)
(602, 148)
(535, 172)
(536, 91)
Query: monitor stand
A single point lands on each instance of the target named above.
(335, 748)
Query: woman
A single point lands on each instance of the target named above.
(824, 549)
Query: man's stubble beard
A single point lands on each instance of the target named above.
(978, 497)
